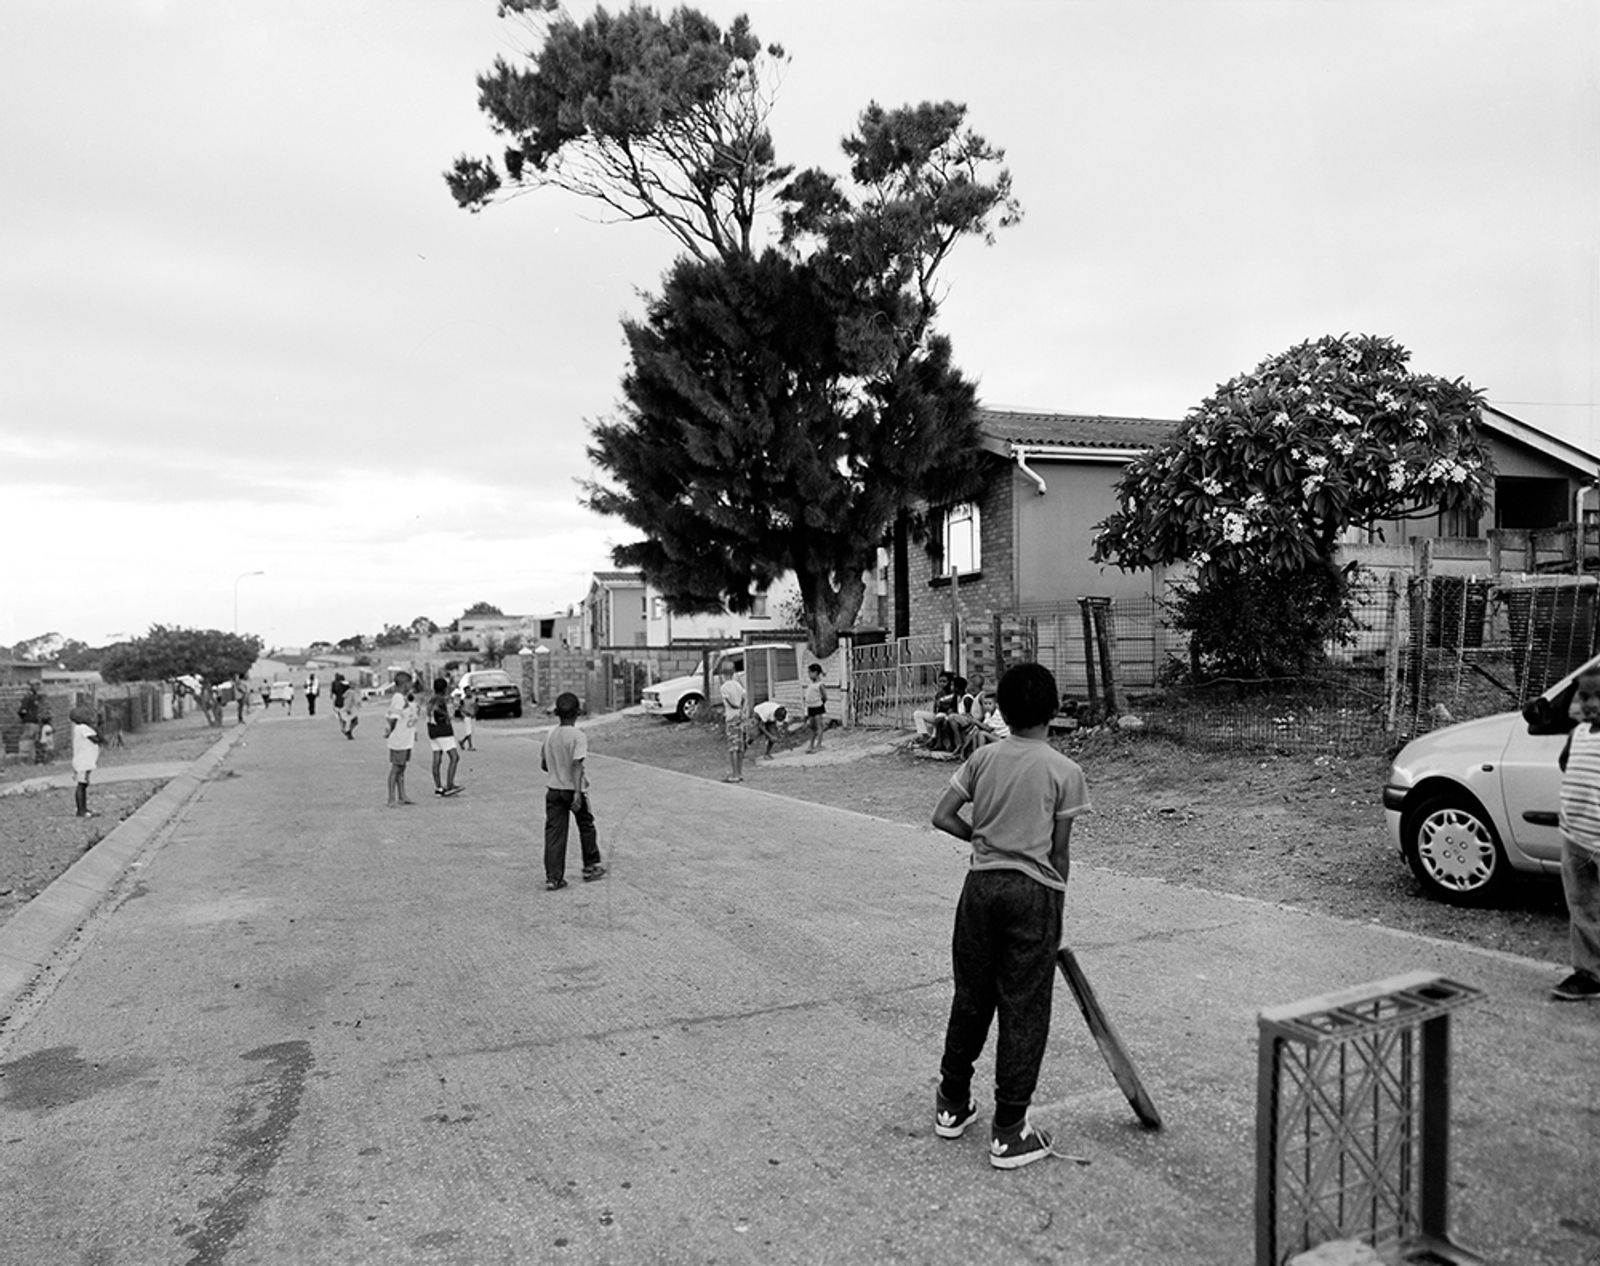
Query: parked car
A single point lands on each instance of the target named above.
(492, 688)
(1473, 805)
(776, 664)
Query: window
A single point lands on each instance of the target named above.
(962, 544)
(758, 608)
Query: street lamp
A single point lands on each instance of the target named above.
(241, 576)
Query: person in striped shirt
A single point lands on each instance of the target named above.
(1580, 843)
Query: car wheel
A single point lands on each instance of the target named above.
(516, 709)
(689, 707)
(1453, 849)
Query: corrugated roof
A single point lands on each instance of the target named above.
(618, 577)
(1074, 430)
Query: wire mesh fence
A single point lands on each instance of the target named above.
(1425, 651)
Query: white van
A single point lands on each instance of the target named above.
(769, 670)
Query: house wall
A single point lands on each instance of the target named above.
(1511, 460)
(1055, 535)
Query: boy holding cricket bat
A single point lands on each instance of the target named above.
(1025, 796)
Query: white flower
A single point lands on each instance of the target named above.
(1342, 444)
(1211, 487)
(1397, 476)
(1310, 484)
(1255, 501)
(1317, 462)
(1280, 418)
(1344, 417)
(1234, 527)
(1203, 557)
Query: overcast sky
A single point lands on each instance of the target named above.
(246, 328)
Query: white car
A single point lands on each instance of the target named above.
(776, 664)
(1473, 805)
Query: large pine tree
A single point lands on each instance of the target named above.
(788, 404)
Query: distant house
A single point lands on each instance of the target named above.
(623, 610)
(1028, 540)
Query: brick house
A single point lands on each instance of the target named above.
(1027, 541)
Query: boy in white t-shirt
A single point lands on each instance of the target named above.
(401, 736)
(733, 721)
(85, 756)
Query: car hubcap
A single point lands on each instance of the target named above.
(1456, 850)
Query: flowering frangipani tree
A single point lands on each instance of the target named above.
(1270, 470)
(1265, 476)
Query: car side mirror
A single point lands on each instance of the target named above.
(1545, 716)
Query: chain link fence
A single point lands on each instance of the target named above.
(1427, 651)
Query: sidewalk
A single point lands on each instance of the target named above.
(309, 1028)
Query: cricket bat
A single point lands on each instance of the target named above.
(1111, 1047)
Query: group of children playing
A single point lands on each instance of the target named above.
(771, 717)
(561, 757)
(1015, 803)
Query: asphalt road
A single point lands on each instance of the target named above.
(308, 1028)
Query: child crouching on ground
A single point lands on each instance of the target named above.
(1024, 796)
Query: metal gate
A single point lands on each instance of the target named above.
(890, 680)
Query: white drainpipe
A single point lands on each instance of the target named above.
(1020, 454)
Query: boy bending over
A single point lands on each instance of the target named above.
(1024, 796)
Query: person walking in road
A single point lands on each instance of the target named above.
(468, 712)
(442, 738)
(241, 697)
(562, 757)
(733, 697)
(85, 756)
(401, 736)
(1580, 843)
(313, 689)
(1025, 796)
(343, 695)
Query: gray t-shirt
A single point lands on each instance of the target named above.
(564, 746)
(1019, 788)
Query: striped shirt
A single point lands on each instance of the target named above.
(1580, 788)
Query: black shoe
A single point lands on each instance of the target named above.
(950, 1120)
(554, 885)
(591, 873)
(1021, 1145)
(1578, 987)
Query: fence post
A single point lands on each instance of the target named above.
(1089, 653)
(1108, 657)
(1391, 657)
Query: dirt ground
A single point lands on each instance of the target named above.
(1305, 831)
(40, 835)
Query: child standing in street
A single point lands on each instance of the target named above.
(468, 712)
(400, 731)
(442, 738)
(732, 691)
(85, 756)
(567, 792)
(1580, 844)
(816, 699)
(1025, 796)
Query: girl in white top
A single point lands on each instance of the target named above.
(85, 756)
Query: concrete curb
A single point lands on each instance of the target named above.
(33, 936)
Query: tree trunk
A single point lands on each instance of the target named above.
(828, 608)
